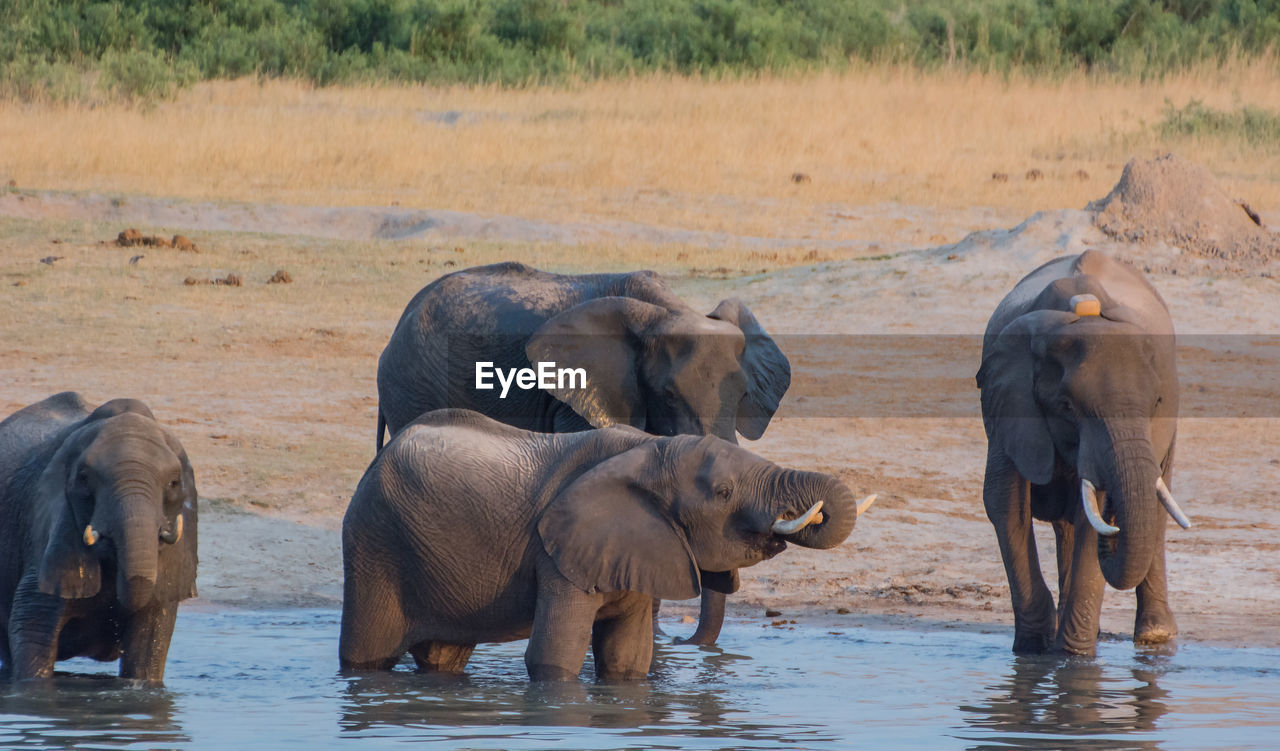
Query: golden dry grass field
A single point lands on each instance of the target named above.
(688, 153)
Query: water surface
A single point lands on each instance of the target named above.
(248, 680)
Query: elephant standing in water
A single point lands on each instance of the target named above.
(97, 536)
(649, 360)
(465, 530)
(1080, 404)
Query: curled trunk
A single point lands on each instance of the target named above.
(1132, 505)
(839, 512)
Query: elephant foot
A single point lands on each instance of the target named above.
(1030, 643)
(1154, 623)
(1149, 633)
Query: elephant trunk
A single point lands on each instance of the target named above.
(1129, 479)
(833, 522)
(137, 549)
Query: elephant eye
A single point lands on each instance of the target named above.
(175, 484)
(724, 491)
(1065, 407)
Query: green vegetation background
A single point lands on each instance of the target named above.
(62, 49)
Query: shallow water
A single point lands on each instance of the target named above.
(244, 679)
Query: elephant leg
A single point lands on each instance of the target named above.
(35, 621)
(710, 619)
(441, 657)
(373, 624)
(1081, 598)
(144, 645)
(657, 629)
(562, 622)
(1006, 496)
(622, 644)
(1154, 623)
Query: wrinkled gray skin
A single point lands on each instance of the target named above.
(1064, 398)
(62, 468)
(652, 362)
(465, 530)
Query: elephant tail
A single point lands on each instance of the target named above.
(382, 429)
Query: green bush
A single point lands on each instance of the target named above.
(145, 48)
(1253, 125)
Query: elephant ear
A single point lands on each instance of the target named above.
(1007, 379)
(68, 568)
(177, 579)
(608, 531)
(602, 337)
(767, 370)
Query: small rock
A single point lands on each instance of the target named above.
(771, 613)
(49, 260)
(842, 611)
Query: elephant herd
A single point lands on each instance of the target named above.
(508, 501)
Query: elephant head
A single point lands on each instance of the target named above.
(1099, 393)
(668, 372)
(673, 515)
(120, 491)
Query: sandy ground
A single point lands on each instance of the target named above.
(884, 350)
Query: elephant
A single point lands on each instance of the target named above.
(648, 359)
(1080, 404)
(97, 536)
(465, 530)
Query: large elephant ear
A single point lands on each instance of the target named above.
(767, 370)
(177, 579)
(602, 337)
(68, 568)
(608, 531)
(1007, 379)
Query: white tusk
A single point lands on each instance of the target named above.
(90, 537)
(1090, 500)
(781, 527)
(1170, 505)
(866, 504)
(172, 537)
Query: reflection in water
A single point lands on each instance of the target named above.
(264, 680)
(100, 711)
(1047, 699)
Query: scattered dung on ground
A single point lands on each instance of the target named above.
(1171, 200)
(183, 243)
(230, 280)
(131, 238)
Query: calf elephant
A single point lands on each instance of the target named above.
(1080, 404)
(97, 536)
(465, 530)
(649, 361)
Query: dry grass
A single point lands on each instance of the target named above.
(701, 155)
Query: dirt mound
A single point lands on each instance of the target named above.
(1171, 200)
